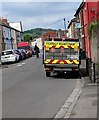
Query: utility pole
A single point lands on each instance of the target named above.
(65, 24)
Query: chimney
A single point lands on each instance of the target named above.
(3, 20)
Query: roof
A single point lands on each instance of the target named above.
(73, 20)
(80, 7)
(2, 24)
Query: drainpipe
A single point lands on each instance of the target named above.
(3, 44)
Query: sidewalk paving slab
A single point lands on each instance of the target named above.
(86, 105)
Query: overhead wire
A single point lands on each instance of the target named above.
(55, 22)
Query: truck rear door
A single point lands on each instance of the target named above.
(61, 52)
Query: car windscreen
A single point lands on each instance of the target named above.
(24, 47)
(7, 52)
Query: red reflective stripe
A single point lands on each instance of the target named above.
(72, 62)
(53, 46)
(64, 62)
(69, 47)
(58, 62)
(61, 46)
(50, 61)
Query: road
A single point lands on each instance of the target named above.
(28, 93)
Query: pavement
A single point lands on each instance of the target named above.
(82, 102)
(0, 93)
(86, 104)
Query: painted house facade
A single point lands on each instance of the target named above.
(87, 13)
(74, 28)
(38, 42)
(9, 36)
(0, 38)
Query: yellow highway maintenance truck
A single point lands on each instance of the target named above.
(61, 55)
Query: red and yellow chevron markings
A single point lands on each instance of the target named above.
(49, 45)
(50, 61)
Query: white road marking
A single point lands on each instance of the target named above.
(6, 68)
(16, 65)
(11, 67)
(23, 63)
(19, 65)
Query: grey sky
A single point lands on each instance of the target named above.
(39, 14)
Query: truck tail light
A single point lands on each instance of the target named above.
(62, 50)
(52, 50)
(74, 69)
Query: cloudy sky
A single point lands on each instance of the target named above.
(39, 14)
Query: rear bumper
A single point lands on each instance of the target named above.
(63, 67)
(8, 60)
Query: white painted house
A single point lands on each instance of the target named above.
(38, 42)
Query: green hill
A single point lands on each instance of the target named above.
(34, 33)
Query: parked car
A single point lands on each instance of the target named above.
(9, 56)
(29, 52)
(26, 47)
(19, 53)
(23, 52)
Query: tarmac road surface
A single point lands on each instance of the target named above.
(27, 93)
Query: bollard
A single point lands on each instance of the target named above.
(93, 79)
(94, 72)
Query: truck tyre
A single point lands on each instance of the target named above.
(47, 74)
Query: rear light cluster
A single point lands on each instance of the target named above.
(61, 50)
(74, 69)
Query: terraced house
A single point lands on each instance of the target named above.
(88, 14)
(9, 36)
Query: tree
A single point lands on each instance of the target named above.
(27, 37)
(37, 32)
(92, 28)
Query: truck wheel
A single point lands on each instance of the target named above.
(47, 74)
(78, 74)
